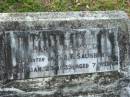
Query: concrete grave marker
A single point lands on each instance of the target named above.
(63, 43)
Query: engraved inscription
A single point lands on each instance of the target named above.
(47, 53)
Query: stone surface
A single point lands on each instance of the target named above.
(18, 31)
(129, 24)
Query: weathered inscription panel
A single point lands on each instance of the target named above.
(55, 52)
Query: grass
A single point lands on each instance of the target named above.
(63, 5)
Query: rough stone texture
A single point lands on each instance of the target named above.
(129, 24)
(102, 84)
(98, 85)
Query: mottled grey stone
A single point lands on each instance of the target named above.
(101, 83)
(129, 24)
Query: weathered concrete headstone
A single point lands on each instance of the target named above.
(82, 49)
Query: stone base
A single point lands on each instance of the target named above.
(85, 85)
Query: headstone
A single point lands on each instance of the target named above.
(91, 46)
